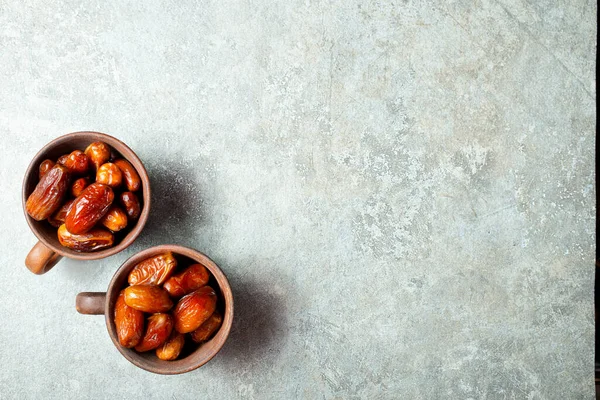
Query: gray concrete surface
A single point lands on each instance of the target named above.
(402, 193)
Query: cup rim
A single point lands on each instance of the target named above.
(172, 368)
(129, 155)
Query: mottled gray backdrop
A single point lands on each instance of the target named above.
(401, 192)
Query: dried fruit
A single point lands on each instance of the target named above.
(130, 175)
(158, 330)
(208, 328)
(78, 186)
(94, 239)
(89, 208)
(129, 323)
(194, 309)
(45, 166)
(171, 349)
(109, 174)
(148, 298)
(194, 277)
(73, 176)
(115, 219)
(48, 194)
(131, 204)
(77, 162)
(154, 270)
(98, 153)
(58, 218)
(62, 159)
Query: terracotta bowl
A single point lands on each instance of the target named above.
(193, 355)
(48, 251)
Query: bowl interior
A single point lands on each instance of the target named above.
(193, 355)
(79, 141)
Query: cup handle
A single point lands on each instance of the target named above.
(90, 303)
(41, 259)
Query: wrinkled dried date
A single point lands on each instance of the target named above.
(132, 206)
(158, 330)
(194, 309)
(129, 323)
(45, 166)
(171, 349)
(89, 208)
(154, 270)
(98, 153)
(208, 328)
(48, 194)
(194, 277)
(130, 175)
(115, 219)
(148, 298)
(93, 239)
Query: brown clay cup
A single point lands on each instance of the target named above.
(193, 356)
(48, 251)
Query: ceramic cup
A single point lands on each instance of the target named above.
(48, 251)
(194, 355)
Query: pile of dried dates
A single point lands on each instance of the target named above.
(88, 195)
(176, 304)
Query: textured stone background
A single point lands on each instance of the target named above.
(402, 193)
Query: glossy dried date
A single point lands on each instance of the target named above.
(45, 166)
(192, 278)
(78, 186)
(58, 218)
(154, 270)
(158, 330)
(49, 193)
(109, 174)
(115, 219)
(171, 349)
(208, 328)
(98, 153)
(132, 206)
(76, 162)
(62, 159)
(94, 239)
(194, 309)
(130, 175)
(89, 208)
(148, 298)
(129, 323)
